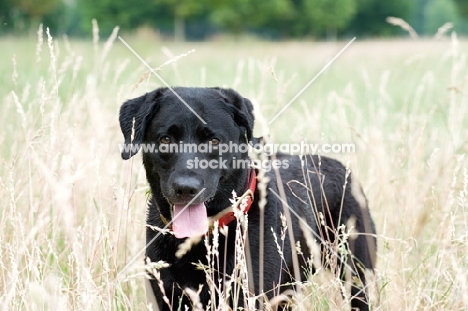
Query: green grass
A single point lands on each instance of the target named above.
(72, 214)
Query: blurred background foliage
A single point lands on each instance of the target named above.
(203, 19)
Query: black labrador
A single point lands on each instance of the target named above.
(194, 154)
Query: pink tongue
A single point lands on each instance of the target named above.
(191, 221)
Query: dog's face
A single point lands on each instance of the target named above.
(184, 148)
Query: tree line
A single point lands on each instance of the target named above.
(200, 19)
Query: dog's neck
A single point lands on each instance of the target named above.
(242, 203)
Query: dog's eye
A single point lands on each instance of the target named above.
(214, 141)
(165, 140)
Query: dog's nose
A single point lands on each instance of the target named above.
(186, 188)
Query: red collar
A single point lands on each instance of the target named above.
(227, 218)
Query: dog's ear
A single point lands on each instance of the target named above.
(242, 110)
(134, 115)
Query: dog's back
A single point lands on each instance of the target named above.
(322, 205)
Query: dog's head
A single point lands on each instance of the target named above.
(194, 144)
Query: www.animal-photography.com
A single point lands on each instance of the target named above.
(235, 155)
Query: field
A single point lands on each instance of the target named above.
(72, 212)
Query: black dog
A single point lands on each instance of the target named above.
(189, 188)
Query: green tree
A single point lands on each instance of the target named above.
(439, 12)
(65, 19)
(463, 13)
(370, 19)
(237, 16)
(24, 15)
(34, 10)
(327, 17)
(462, 7)
(417, 20)
(111, 13)
(5, 16)
(182, 10)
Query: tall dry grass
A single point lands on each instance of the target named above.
(72, 220)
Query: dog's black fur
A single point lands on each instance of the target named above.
(314, 186)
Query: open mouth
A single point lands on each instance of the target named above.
(190, 220)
